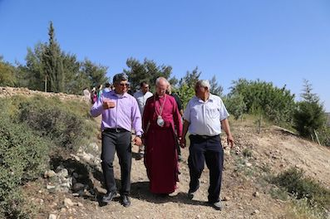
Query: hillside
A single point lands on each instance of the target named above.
(245, 192)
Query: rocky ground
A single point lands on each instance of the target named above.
(72, 187)
(245, 193)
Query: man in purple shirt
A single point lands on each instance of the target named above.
(120, 113)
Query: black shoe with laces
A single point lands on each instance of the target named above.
(125, 201)
(108, 197)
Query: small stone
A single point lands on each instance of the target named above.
(248, 164)
(226, 198)
(78, 186)
(256, 194)
(255, 212)
(50, 187)
(75, 175)
(49, 174)
(67, 202)
(52, 216)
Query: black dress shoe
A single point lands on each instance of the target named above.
(108, 197)
(125, 201)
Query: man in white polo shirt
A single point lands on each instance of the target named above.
(204, 117)
(141, 97)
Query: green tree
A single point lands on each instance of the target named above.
(32, 74)
(94, 73)
(187, 84)
(7, 73)
(191, 78)
(235, 105)
(147, 71)
(309, 115)
(215, 88)
(277, 104)
(53, 64)
(49, 68)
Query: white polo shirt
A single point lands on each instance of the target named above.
(205, 117)
(141, 99)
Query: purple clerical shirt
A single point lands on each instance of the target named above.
(125, 114)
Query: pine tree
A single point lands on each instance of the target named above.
(309, 115)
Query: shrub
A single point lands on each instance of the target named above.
(54, 119)
(22, 157)
(294, 182)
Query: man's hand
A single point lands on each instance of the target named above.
(183, 142)
(137, 141)
(107, 104)
(230, 140)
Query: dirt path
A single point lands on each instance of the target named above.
(271, 148)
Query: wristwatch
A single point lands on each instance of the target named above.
(138, 136)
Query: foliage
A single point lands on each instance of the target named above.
(324, 136)
(301, 209)
(187, 84)
(48, 68)
(7, 73)
(91, 75)
(294, 182)
(50, 118)
(309, 115)
(215, 88)
(276, 103)
(53, 64)
(191, 78)
(235, 105)
(147, 71)
(23, 157)
(185, 93)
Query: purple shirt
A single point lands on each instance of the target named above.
(125, 114)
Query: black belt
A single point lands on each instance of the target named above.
(204, 137)
(116, 130)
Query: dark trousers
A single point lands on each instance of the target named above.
(119, 142)
(209, 150)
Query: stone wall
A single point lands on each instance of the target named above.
(13, 91)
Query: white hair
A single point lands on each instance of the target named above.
(204, 83)
(161, 79)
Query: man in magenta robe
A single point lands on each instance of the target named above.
(160, 119)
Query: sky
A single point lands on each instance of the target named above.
(278, 41)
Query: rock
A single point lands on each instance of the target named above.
(50, 187)
(226, 151)
(256, 194)
(49, 174)
(75, 157)
(255, 212)
(78, 186)
(248, 164)
(75, 175)
(63, 173)
(68, 203)
(52, 216)
(226, 198)
(94, 146)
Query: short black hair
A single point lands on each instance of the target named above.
(120, 77)
(143, 83)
